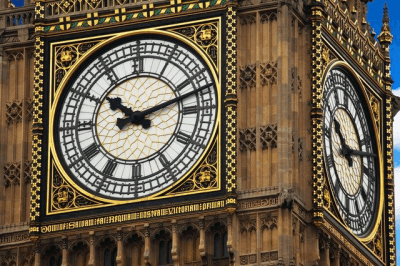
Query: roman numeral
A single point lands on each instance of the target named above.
(91, 151)
(183, 84)
(367, 172)
(329, 162)
(189, 110)
(109, 168)
(163, 160)
(327, 132)
(136, 171)
(363, 194)
(337, 185)
(137, 65)
(346, 101)
(84, 125)
(182, 137)
(356, 205)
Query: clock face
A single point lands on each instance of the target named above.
(137, 118)
(350, 156)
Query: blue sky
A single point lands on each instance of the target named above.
(375, 18)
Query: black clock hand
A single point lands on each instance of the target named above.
(360, 153)
(343, 142)
(138, 117)
(115, 103)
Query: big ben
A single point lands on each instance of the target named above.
(195, 132)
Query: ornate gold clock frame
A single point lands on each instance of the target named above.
(208, 187)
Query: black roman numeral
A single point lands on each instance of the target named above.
(183, 84)
(363, 194)
(346, 100)
(91, 151)
(182, 138)
(329, 161)
(84, 125)
(327, 131)
(110, 167)
(136, 171)
(137, 65)
(189, 110)
(163, 160)
(337, 185)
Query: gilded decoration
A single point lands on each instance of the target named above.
(231, 103)
(56, 8)
(205, 35)
(66, 197)
(376, 244)
(316, 112)
(357, 39)
(327, 57)
(205, 177)
(375, 108)
(37, 125)
(67, 56)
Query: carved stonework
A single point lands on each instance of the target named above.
(12, 173)
(267, 16)
(327, 57)
(269, 221)
(8, 257)
(14, 56)
(247, 139)
(247, 19)
(244, 260)
(247, 76)
(27, 171)
(253, 258)
(300, 143)
(29, 109)
(269, 136)
(13, 112)
(269, 256)
(269, 73)
(247, 224)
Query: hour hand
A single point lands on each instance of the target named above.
(115, 103)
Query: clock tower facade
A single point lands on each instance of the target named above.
(196, 133)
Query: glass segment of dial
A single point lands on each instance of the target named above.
(106, 142)
(347, 134)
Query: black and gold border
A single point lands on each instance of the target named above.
(317, 18)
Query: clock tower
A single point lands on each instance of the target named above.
(195, 132)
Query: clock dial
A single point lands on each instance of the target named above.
(350, 157)
(137, 118)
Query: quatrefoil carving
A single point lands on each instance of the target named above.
(12, 173)
(247, 76)
(269, 73)
(269, 136)
(14, 112)
(247, 139)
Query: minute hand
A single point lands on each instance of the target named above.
(177, 99)
(361, 153)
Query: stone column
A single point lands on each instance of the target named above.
(337, 256)
(37, 253)
(146, 254)
(327, 255)
(64, 251)
(92, 250)
(175, 247)
(202, 244)
(120, 247)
